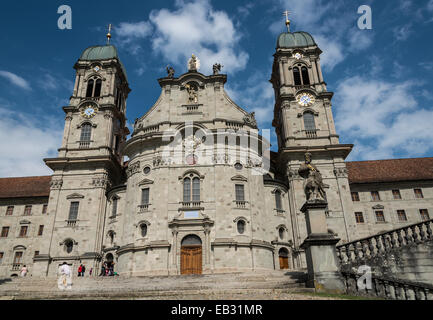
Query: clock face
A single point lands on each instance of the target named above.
(97, 68)
(305, 99)
(89, 111)
(297, 56)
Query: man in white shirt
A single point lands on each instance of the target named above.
(65, 277)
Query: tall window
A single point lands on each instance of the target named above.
(424, 214)
(380, 216)
(18, 257)
(69, 245)
(305, 77)
(44, 209)
(375, 196)
(98, 87)
(418, 193)
(23, 231)
(28, 210)
(5, 232)
(10, 210)
(41, 230)
(240, 194)
(297, 76)
(309, 123)
(278, 200)
(143, 229)
(86, 132)
(396, 194)
(73, 211)
(281, 233)
(145, 196)
(1, 257)
(355, 196)
(191, 185)
(114, 207)
(241, 226)
(90, 84)
(401, 214)
(359, 217)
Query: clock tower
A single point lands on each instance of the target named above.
(89, 160)
(303, 121)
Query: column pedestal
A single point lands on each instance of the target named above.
(320, 252)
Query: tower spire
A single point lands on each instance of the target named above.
(286, 13)
(109, 34)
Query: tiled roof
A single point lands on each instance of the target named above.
(25, 187)
(390, 170)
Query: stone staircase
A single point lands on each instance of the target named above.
(192, 287)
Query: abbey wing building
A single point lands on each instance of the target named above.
(200, 192)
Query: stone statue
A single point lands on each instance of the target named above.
(193, 63)
(170, 72)
(216, 68)
(192, 93)
(250, 119)
(313, 185)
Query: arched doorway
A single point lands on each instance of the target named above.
(191, 255)
(283, 254)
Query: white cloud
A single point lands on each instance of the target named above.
(194, 27)
(26, 140)
(382, 118)
(16, 80)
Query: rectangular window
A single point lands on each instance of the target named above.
(36, 253)
(41, 230)
(114, 207)
(359, 217)
(18, 257)
(44, 209)
(375, 196)
(145, 196)
(10, 210)
(5, 232)
(401, 214)
(28, 210)
(380, 216)
(396, 194)
(424, 214)
(240, 195)
(23, 231)
(418, 193)
(355, 196)
(73, 211)
(1, 257)
(196, 189)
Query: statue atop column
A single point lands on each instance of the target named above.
(216, 68)
(313, 185)
(170, 72)
(193, 63)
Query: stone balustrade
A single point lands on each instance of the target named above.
(388, 288)
(360, 250)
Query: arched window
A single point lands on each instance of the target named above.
(281, 233)
(186, 190)
(309, 124)
(297, 76)
(69, 245)
(90, 84)
(143, 229)
(98, 87)
(196, 189)
(111, 236)
(241, 226)
(86, 132)
(305, 77)
(191, 189)
(278, 200)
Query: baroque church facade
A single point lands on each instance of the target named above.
(200, 192)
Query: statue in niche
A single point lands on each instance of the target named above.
(216, 68)
(192, 93)
(170, 72)
(313, 185)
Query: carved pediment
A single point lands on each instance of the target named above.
(24, 222)
(20, 247)
(239, 178)
(75, 196)
(378, 207)
(145, 181)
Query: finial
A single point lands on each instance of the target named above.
(109, 34)
(286, 13)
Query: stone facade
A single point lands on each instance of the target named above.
(197, 165)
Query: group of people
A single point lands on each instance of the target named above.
(82, 270)
(107, 269)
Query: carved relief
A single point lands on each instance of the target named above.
(133, 169)
(341, 172)
(56, 184)
(250, 120)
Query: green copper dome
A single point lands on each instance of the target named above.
(295, 40)
(99, 53)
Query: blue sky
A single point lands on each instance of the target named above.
(382, 78)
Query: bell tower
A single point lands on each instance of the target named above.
(303, 122)
(89, 160)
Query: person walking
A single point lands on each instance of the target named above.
(64, 281)
(24, 271)
(83, 269)
(80, 268)
(102, 270)
(90, 271)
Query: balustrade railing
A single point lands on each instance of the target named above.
(84, 144)
(191, 204)
(367, 248)
(241, 203)
(71, 223)
(388, 288)
(143, 207)
(311, 134)
(16, 266)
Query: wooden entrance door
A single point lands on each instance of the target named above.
(284, 262)
(190, 259)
